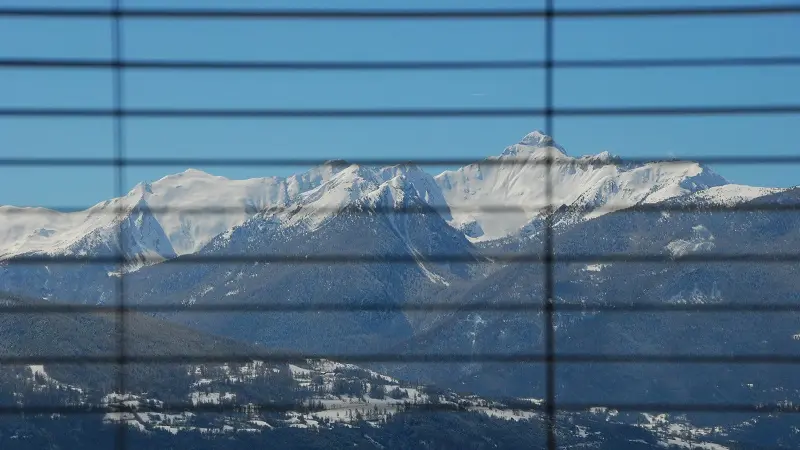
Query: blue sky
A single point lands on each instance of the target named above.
(388, 138)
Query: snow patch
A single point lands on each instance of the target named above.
(701, 240)
(731, 194)
(299, 371)
(595, 267)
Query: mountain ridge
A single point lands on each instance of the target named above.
(192, 207)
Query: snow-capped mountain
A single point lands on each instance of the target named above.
(194, 212)
(382, 188)
(346, 216)
(193, 207)
(121, 226)
(589, 185)
(182, 213)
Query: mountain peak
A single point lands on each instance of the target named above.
(195, 172)
(534, 140)
(184, 178)
(537, 138)
(604, 157)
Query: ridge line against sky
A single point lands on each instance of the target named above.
(642, 137)
(287, 171)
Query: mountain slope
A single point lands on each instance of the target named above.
(670, 235)
(180, 201)
(120, 228)
(96, 335)
(318, 404)
(346, 217)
